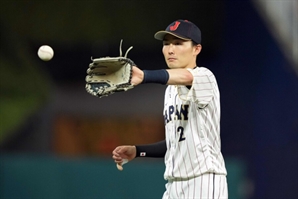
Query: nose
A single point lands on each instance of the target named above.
(171, 49)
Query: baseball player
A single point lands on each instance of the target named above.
(194, 165)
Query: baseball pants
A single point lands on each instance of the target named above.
(206, 186)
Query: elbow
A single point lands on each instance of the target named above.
(188, 78)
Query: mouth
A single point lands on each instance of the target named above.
(171, 59)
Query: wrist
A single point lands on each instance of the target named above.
(136, 151)
(155, 76)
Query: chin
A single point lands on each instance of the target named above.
(173, 66)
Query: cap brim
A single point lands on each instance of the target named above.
(161, 34)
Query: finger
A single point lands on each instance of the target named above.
(119, 151)
(117, 157)
(116, 150)
(116, 154)
(118, 160)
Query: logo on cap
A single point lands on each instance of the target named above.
(175, 26)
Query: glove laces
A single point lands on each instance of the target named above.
(120, 49)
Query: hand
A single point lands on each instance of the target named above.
(124, 152)
(137, 76)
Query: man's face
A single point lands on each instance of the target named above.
(179, 53)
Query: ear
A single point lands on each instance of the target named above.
(197, 49)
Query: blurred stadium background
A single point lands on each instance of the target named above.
(56, 139)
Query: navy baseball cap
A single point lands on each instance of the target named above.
(182, 29)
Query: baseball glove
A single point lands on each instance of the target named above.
(108, 75)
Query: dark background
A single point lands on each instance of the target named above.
(258, 85)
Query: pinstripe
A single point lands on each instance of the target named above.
(194, 126)
(219, 189)
(188, 152)
(179, 170)
(213, 191)
(202, 188)
(193, 141)
(177, 193)
(208, 186)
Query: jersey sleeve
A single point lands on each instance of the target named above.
(202, 89)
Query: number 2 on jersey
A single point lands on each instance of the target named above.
(180, 130)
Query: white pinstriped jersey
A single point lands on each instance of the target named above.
(192, 127)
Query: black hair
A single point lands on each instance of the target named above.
(193, 43)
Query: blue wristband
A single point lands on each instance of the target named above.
(156, 76)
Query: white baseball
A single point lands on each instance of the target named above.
(120, 165)
(45, 53)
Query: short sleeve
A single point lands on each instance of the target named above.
(202, 89)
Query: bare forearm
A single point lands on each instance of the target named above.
(179, 77)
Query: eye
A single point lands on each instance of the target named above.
(165, 43)
(178, 43)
